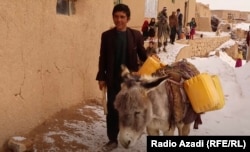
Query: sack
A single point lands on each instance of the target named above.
(184, 68)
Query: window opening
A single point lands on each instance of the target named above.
(65, 7)
(117, 2)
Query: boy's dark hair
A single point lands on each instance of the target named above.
(121, 8)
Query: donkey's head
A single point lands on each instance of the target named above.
(134, 106)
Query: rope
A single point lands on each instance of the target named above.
(175, 82)
(171, 104)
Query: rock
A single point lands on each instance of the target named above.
(217, 53)
(20, 144)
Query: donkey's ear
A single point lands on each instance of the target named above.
(127, 75)
(125, 71)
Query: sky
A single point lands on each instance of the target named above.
(241, 5)
(232, 119)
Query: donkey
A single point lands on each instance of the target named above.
(143, 104)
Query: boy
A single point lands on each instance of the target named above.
(119, 45)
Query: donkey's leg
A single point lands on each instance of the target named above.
(169, 131)
(159, 42)
(186, 129)
(152, 131)
(180, 128)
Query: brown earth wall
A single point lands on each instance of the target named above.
(48, 62)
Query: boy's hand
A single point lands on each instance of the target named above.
(135, 73)
(101, 84)
(156, 57)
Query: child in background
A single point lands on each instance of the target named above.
(151, 31)
(192, 27)
(239, 59)
(151, 49)
(144, 30)
(187, 31)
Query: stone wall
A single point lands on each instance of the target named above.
(232, 51)
(200, 47)
(223, 14)
(241, 34)
(225, 27)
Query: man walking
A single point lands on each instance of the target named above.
(173, 23)
(162, 15)
(179, 18)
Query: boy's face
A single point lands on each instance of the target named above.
(120, 20)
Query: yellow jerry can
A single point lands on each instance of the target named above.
(150, 66)
(219, 89)
(202, 93)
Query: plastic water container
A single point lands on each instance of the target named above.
(150, 66)
(202, 93)
(219, 89)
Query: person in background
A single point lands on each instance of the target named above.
(248, 47)
(151, 50)
(144, 29)
(187, 31)
(201, 35)
(173, 23)
(192, 27)
(179, 18)
(239, 59)
(151, 31)
(162, 28)
(162, 15)
(119, 45)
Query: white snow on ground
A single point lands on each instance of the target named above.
(232, 119)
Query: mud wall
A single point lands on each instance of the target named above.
(47, 61)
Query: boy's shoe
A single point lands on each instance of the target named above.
(109, 146)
